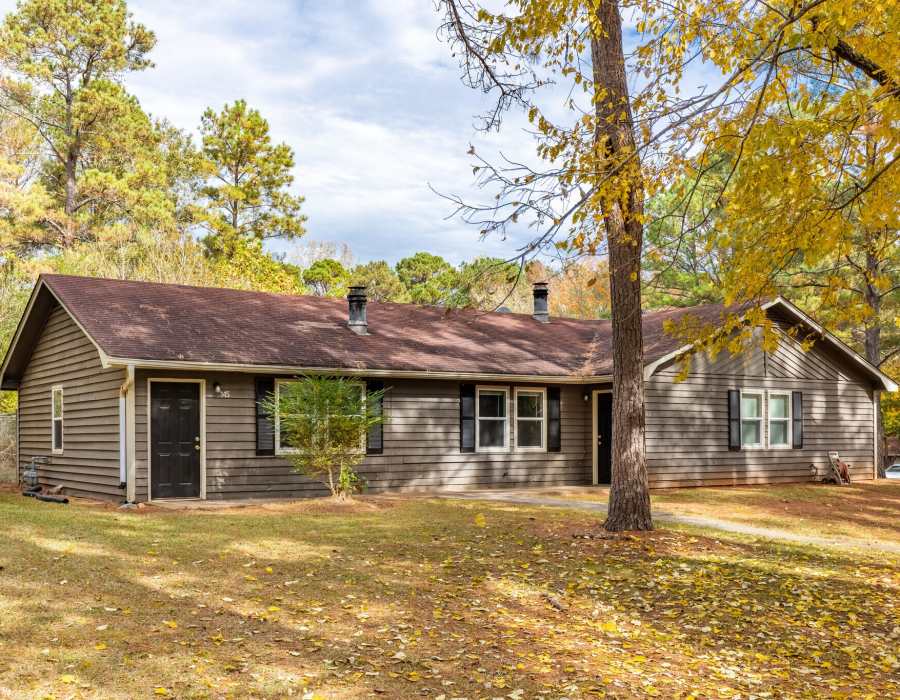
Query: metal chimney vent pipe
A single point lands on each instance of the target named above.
(356, 299)
(541, 309)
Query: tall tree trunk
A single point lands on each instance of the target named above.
(873, 352)
(71, 191)
(70, 167)
(629, 497)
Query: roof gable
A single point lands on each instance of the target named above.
(40, 305)
(785, 313)
(857, 362)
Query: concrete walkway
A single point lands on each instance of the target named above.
(524, 497)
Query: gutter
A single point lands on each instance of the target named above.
(188, 366)
(127, 435)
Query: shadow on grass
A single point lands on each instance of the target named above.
(425, 598)
(872, 507)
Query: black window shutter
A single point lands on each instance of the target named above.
(375, 438)
(466, 417)
(734, 419)
(554, 433)
(265, 425)
(797, 419)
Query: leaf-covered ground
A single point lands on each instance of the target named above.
(413, 598)
(865, 510)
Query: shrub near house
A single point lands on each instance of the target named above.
(324, 423)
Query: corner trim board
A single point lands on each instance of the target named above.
(876, 407)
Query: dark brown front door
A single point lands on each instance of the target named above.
(604, 438)
(174, 440)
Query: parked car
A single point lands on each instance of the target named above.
(893, 471)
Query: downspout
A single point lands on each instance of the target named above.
(123, 477)
(126, 434)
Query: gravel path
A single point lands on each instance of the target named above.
(524, 498)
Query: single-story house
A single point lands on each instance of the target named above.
(142, 391)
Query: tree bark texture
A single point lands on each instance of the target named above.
(873, 355)
(629, 497)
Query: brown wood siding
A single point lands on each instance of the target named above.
(89, 464)
(687, 422)
(421, 444)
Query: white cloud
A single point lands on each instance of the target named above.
(363, 91)
(365, 94)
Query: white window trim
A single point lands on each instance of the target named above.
(279, 450)
(542, 420)
(53, 418)
(761, 393)
(506, 445)
(790, 420)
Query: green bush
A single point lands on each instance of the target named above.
(322, 425)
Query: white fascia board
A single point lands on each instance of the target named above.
(186, 366)
(886, 382)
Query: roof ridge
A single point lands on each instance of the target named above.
(170, 324)
(646, 313)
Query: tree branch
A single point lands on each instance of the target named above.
(847, 53)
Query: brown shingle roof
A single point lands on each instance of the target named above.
(167, 322)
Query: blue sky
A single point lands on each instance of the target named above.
(362, 90)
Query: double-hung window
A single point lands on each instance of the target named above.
(531, 405)
(779, 419)
(491, 419)
(282, 445)
(751, 419)
(56, 419)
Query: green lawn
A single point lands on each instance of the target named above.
(401, 598)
